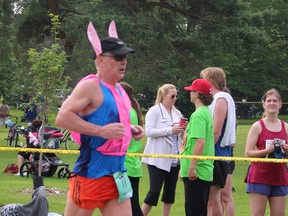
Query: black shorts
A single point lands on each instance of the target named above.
(231, 167)
(25, 155)
(220, 172)
(232, 164)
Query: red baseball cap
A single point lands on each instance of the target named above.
(200, 85)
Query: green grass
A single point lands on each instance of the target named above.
(11, 186)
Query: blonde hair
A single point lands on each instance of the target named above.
(271, 92)
(267, 94)
(162, 91)
(216, 76)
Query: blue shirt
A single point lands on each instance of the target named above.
(91, 163)
(222, 151)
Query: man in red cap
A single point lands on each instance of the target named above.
(198, 174)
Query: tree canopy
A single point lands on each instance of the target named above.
(174, 41)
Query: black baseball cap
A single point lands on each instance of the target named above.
(115, 46)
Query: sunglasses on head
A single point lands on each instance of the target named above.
(118, 57)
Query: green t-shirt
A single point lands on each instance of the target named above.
(133, 164)
(200, 126)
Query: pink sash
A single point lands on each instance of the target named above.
(115, 147)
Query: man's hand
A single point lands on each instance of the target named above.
(112, 131)
(192, 174)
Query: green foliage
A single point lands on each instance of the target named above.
(174, 41)
(46, 70)
(8, 64)
(56, 24)
(8, 74)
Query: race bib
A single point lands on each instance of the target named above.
(123, 185)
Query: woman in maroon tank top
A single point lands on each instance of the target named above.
(268, 182)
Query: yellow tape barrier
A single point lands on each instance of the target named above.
(273, 160)
(39, 150)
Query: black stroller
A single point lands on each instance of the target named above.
(50, 162)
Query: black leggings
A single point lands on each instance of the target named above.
(157, 177)
(136, 210)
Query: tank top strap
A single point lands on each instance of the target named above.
(262, 123)
(264, 127)
(93, 76)
(283, 126)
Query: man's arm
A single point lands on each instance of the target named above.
(86, 98)
(78, 102)
(220, 113)
(198, 150)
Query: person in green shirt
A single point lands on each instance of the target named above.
(198, 174)
(133, 164)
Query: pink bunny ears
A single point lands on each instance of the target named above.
(112, 31)
(94, 39)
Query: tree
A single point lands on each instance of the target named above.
(47, 67)
(174, 41)
(8, 63)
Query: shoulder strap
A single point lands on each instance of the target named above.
(262, 123)
(90, 76)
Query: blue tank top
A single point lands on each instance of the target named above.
(91, 163)
(222, 151)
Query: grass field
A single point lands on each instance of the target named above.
(11, 186)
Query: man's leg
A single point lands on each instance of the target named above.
(73, 210)
(227, 198)
(214, 203)
(114, 208)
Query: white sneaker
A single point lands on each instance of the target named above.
(24, 174)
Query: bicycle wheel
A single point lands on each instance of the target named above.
(15, 138)
(70, 144)
(28, 168)
(10, 136)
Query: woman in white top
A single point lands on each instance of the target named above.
(164, 136)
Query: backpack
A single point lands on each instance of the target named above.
(11, 168)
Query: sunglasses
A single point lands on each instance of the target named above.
(117, 58)
(173, 96)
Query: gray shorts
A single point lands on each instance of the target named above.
(267, 190)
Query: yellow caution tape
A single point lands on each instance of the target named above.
(200, 157)
(273, 160)
(40, 150)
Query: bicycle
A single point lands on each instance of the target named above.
(14, 131)
(70, 144)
